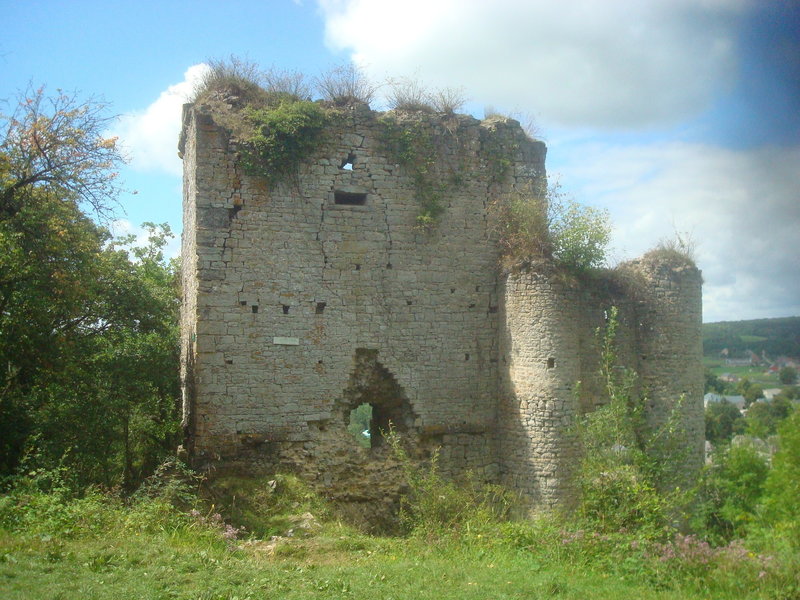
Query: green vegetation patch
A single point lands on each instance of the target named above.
(412, 144)
(776, 337)
(543, 223)
(284, 133)
(266, 506)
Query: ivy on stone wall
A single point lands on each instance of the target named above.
(498, 156)
(412, 145)
(285, 132)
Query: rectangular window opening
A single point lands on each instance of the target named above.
(349, 198)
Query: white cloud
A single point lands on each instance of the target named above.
(150, 136)
(741, 207)
(612, 63)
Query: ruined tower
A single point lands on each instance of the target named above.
(308, 297)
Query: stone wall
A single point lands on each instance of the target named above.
(309, 297)
(299, 308)
(550, 343)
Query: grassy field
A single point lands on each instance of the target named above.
(757, 375)
(332, 566)
(97, 547)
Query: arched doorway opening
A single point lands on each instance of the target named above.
(374, 403)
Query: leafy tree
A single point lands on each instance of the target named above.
(749, 390)
(55, 146)
(713, 383)
(787, 375)
(723, 420)
(88, 352)
(763, 418)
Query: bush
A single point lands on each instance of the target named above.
(410, 94)
(729, 493)
(447, 100)
(782, 485)
(679, 250)
(234, 74)
(289, 83)
(537, 223)
(264, 506)
(629, 469)
(579, 234)
(284, 133)
(435, 507)
(523, 222)
(345, 84)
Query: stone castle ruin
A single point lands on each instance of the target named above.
(308, 297)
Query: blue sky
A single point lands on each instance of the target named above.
(675, 115)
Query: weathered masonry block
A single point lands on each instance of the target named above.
(306, 298)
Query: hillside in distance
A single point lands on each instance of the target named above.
(776, 337)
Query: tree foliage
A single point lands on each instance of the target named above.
(730, 493)
(88, 327)
(723, 420)
(782, 487)
(55, 146)
(787, 375)
(763, 418)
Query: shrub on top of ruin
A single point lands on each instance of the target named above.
(345, 84)
(579, 234)
(407, 93)
(290, 83)
(448, 100)
(233, 74)
(523, 225)
(677, 251)
(541, 222)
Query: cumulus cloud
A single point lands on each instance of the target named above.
(741, 207)
(617, 63)
(150, 136)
